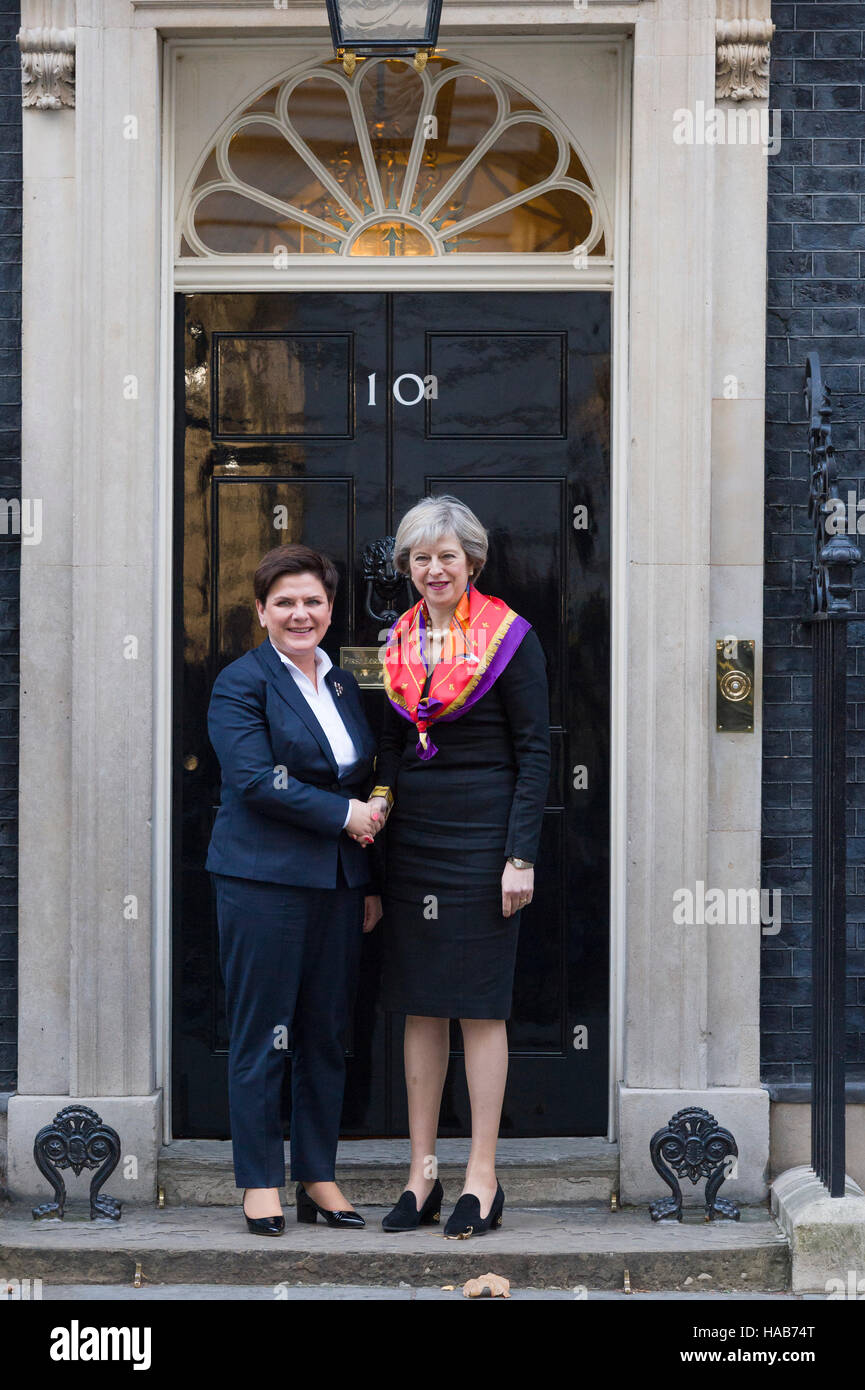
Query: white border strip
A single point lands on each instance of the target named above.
(163, 581)
(620, 470)
(421, 273)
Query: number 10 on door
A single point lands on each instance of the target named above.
(425, 387)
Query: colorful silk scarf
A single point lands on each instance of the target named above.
(483, 636)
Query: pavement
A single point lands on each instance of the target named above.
(404, 1293)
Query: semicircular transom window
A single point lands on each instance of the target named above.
(392, 163)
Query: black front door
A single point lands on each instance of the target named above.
(322, 418)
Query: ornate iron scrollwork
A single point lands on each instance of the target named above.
(831, 577)
(383, 582)
(693, 1145)
(76, 1138)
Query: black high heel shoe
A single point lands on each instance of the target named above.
(263, 1225)
(405, 1215)
(465, 1219)
(308, 1211)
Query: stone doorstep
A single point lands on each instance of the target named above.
(558, 1247)
(199, 1172)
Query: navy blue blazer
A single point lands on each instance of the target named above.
(283, 800)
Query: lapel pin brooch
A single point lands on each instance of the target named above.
(337, 687)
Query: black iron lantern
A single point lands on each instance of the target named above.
(393, 28)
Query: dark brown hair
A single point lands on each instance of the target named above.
(294, 559)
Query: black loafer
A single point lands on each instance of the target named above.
(405, 1215)
(465, 1219)
(309, 1211)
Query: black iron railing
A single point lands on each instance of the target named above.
(829, 608)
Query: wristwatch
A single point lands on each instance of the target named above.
(520, 863)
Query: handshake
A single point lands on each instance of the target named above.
(366, 819)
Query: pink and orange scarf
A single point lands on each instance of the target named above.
(483, 636)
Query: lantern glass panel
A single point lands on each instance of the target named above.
(363, 21)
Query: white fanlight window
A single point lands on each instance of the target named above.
(392, 163)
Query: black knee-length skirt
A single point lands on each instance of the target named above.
(449, 952)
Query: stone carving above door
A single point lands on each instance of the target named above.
(47, 67)
(742, 58)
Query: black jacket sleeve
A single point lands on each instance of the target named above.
(525, 696)
(385, 774)
(390, 746)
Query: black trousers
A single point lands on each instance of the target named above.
(289, 959)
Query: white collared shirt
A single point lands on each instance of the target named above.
(323, 706)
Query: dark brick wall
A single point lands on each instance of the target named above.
(10, 550)
(816, 300)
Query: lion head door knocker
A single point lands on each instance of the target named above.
(384, 583)
(693, 1145)
(76, 1138)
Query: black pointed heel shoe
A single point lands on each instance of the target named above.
(405, 1215)
(465, 1219)
(308, 1211)
(264, 1225)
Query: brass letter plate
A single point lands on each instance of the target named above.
(364, 664)
(734, 685)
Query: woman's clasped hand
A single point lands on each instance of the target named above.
(366, 819)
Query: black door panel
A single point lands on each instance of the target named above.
(519, 431)
(280, 436)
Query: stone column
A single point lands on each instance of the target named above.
(681, 1048)
(91, 306)
(738, 416)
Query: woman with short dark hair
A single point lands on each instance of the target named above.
(293, 886)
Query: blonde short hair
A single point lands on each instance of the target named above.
(434, 517)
